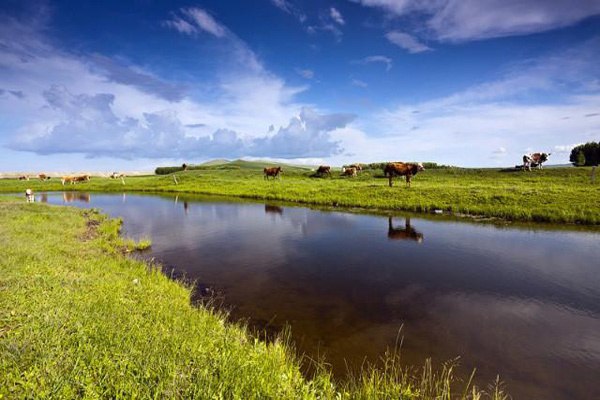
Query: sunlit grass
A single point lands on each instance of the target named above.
(80, 319)
(550, 195)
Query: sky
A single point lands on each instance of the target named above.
(131, 85)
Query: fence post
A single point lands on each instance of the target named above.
(175, 179)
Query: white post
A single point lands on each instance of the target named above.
(175, 179)
(122, 180)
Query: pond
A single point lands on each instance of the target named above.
(519, 301)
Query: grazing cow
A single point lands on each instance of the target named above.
(534, 160)
(408, 170)
(29, 196)
(67, 179)
(81, 178)
(356, 166)
(43, 177)
(350, 171)
(324, 170)
(116, 175)
(24, 177)
(272, 171)
(406, 233)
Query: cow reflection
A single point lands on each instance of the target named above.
(185, 207)
(269, 209)
(406, 233)
(70, 197)
(44, 198)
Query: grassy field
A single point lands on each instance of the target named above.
(80, 319)
(551, 195)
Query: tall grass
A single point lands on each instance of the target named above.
(80, 319)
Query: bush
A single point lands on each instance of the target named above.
(167, 170)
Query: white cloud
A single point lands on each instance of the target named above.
(194, 19)
(336, 16)
(288, 7)
(466, 20)
(406, 41)
(359, 83)
(376, 59)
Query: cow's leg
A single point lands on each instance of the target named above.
(408, 180)
(390, 178)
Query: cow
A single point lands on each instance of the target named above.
(116, 175)
(43, 177)
(406, 233)
(324, 170)
(29, 196)
(24, 177)
(350, 171)
(357, 166)
(67, 179)
(408, 170)
(272, 171)
(535, 160)
(81, 178)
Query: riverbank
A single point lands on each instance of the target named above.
(79, 318)
(560, 195)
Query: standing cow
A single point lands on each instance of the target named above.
(273, 171)
(324, 170)
(534, 160)
(350, 171)
(408, 170)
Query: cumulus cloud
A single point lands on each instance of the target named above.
(192, 20)
(336, 16)
(466, 20)
(407, 42)
(376, 59)
(87, 124)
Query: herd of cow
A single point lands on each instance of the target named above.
(71, 179)
(408, 170)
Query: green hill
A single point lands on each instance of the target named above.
(216, 161)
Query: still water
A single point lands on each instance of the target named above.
(522, 302)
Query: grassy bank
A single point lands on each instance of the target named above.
(78, 318)
(551, 195)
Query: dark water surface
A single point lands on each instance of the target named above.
(520, 302)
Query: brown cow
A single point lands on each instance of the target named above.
(402, 169)
(43, 177)
(67, 179)
(406, 233)
(324, 170)
(81, 178)
(116, 175)
(350, 171)
(357, 166)
(272, 171)
(24, 177)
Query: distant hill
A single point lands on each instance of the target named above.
(216, 161)
(260, 164)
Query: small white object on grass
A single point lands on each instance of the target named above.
(136, 281)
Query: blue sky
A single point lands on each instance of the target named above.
(129, 85)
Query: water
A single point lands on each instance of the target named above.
(522, 302)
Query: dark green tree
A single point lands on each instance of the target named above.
(586, 154)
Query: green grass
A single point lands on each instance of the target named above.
(79, 319)
(551, 195)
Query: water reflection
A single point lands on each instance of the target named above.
(271, 209)
(71, 197)
(407, 233)
(521, 303)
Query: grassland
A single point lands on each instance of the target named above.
(80, 319)
(561, 195)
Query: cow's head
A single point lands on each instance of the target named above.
(420, 167)
(544, 157)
